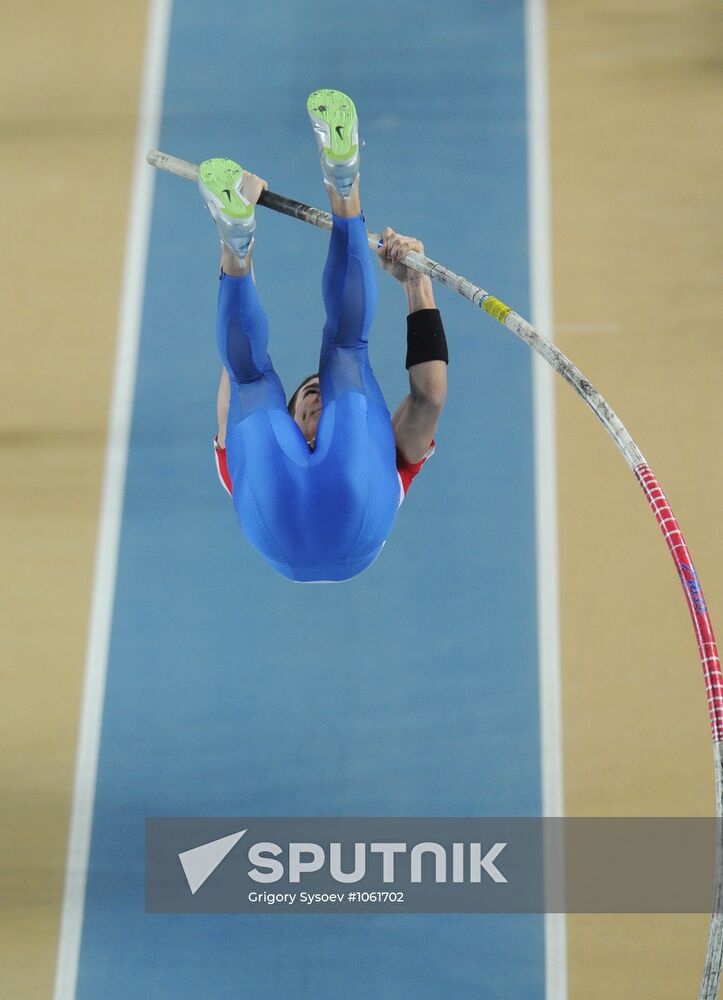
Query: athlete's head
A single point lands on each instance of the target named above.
(305, 407)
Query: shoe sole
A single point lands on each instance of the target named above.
(335, 111)
(222, 179)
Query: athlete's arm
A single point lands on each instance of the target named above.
(417, 416)
(222, 400)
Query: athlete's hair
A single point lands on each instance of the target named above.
(292, 401)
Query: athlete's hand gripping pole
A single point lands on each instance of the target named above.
(705, 638)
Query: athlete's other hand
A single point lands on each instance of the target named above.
(252, 186)
(393, 249)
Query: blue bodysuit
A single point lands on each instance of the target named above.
(321, 515)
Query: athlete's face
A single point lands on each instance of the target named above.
(307, 410)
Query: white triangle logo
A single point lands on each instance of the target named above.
(200, 862)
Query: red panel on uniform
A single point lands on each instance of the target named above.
(222, 467)
(408, 470)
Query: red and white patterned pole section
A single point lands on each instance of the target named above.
(707, 648)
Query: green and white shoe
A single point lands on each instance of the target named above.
(333, 118)
(219, 182)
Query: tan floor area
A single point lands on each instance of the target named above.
(68, 110)
(636, 165)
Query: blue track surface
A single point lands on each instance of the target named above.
(411, 690)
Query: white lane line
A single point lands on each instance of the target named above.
(545, 470)
(106, 556)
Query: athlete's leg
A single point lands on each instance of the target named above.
(242, 330)
(242, 336)
(258, 428)
(350, 296)
(358, 424)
